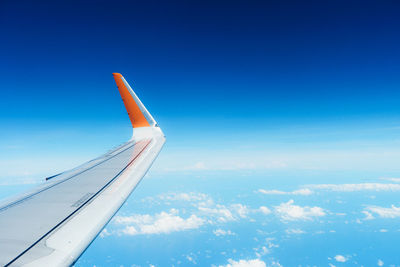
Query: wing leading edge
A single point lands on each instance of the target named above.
(54, 223)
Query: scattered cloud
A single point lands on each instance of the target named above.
(289, 212)
(220, 232)
(264, 210)
(392, 212)
(191, 259)
(356, 187)
(192, 196)
(225, 164)
(245, 263)
(294, 231)
(304, 192)
(266, 247)
(205, 212)
(198, 166)
(240, 209)
(270, 244)
(161, 223)
(368, 215)
(104, 233)
(340, 258)
(309, 189)
(224, 213)
(261, 251)
(380, 263)
(395, 180)
(220, 212)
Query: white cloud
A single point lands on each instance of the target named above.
(289, 212)
(192, 196)
(137, 218)
(261, 251)
(222, 213)
(130, 230)
(357, 187)
(309, 189)
(240, 209)
(190, 258)
(161, 223)
(340, 258)
(304, 192)
(222, 164)
(264, 210)
(245, 263)
(220, 232)
(395, 180)
(270, 244)
(198, 166)
(104, 233)
(294, 231)
(380, 263)
(368, 215)
(266, 248)
(392, 212)
(205, 212)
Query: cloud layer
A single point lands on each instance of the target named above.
(357, 187)
(290, 212)
(392, 212)
(304, 192)
(245, 263)
(161, 223)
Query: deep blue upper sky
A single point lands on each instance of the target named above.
(235, 59)
(208, 70)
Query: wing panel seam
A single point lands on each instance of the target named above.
(60, 182)
(75, 211)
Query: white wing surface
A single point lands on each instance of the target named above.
(53, 224)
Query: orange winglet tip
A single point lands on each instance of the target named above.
(132, 107)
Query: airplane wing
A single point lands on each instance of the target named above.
(54, 223)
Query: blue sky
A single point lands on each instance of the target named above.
(241, 61)
(258, 95)
(273, 76)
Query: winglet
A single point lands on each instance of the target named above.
(137, 112)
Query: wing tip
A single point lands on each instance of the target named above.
(132, 105)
